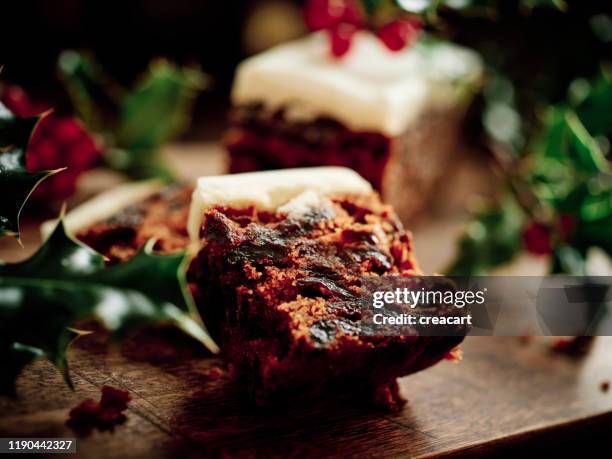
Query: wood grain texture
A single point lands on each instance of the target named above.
(502, 394)
(503, 391)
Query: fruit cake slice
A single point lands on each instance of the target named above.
(394, 117)
(278, 275)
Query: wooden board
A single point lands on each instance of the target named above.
(504, 394)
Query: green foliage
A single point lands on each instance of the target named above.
(493, 238)
(566, 158)
(134, 123)
(593, 105)
(370, 5)
(43, 298)
(486, 7)
(565, 174)
(544, 105)
(16, 182)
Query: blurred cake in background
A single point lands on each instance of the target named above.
(394, 117)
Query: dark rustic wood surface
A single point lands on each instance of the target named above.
(504, 392)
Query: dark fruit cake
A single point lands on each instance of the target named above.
(278, 277)
(394, 117)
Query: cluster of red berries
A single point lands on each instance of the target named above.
(342, 19)
(538, 237)
(58, 141)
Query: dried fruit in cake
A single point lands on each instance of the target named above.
(162, 215)
(278, 278)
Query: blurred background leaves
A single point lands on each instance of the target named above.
(543, 112)
(134, 123)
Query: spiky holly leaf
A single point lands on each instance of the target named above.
(593, 108)
(64, 282)
(96, 96)
(155, 110)
(567, 176)
(134, 123)
(16, 182)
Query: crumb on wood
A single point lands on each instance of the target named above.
(104, 415)
(454, 355)
(572, 345)
(214, 373)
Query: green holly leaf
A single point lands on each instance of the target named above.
(592, 199)
(95, 95)
(134, 123)
(566, 159)
(16, 182)
(593, 108)
(492, 239)
(566, 139)
(154, 112)
(586, 152)
(43, 298)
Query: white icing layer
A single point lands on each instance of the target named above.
(271, 190)
(104, 205)
(369, 89)
(303, 203)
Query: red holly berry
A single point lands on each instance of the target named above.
(536, 238)
(398, 34)
(58, 141)
(353, 13)
(323, 14)
(341, 38)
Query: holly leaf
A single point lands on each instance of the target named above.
(134, 123)
(16, 182)
(95, 95)
(584, 149)
(593, 108)
(43, 298)
(566, 159)
(596, 206)
(566, 139)
(154, 112)
(492, 239)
